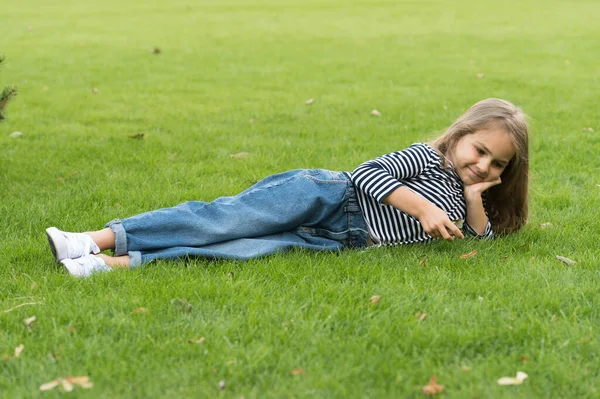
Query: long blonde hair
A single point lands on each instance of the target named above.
(506, 203)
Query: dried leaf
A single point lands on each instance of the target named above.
(588, 129)
(221, 385)
(469, 255)
(423, 262)
(503, 258)
(28, 321)
(433, 388)
(518, 380)
(298, 371)
(19, 350)
(82, 381)
(421, 316)
(375, 113)
(182, 305)
(95, 90)
(524, 359)
(140, 310)
(375, 299)
(156, 50)
(310, 101)
(466, 369)
(139, 136)
(239, 155)
(50, 385)
(196, 341)
(480, 75)
(565, 260)
(15, 135)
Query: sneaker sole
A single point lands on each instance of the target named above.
(57, 243)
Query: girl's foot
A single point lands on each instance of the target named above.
(85, 266)
(70, 245)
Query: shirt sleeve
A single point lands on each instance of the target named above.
(488, 233)
(379, 177)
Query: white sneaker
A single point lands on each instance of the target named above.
(85, 265)
(70, 245)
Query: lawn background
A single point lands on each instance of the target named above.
(233, 76)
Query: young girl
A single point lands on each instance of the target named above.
(476, 173)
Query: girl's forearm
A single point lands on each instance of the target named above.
(408, 201)
(476, 217)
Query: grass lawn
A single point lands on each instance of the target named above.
(203, 80)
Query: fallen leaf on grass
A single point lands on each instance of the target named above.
(421, 316)
(15, 135)
(19, 350)
(28, 322)
(156, 50)
(196, 341)
(182, 305)
(565, 260)
(239, 155)
(423, 262)
(433, 388)
(480, 75)
(546, 225)
(469, 255)
(67, 383)
(139, 136)
(230, 275)
(95, 90)
(588, 129)
(518, 380)
(140, 310)
(503, 258)
(375, 113)
(524, 359)
(310, 101)
(298, 371)
(375, 299)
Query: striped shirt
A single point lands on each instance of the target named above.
(419, 167)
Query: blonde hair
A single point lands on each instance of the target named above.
(506, 204)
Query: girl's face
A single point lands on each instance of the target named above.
(482, 156)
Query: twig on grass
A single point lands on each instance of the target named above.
(23, 304)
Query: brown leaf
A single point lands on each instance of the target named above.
(156, 50)
(140, 310)
(139, 136)
(95, 90)
(298, 371)
(433, 388)
(239, 155)
(82, 381)
(50, 385)
(524, 359)
(503, 258)
(375, 113)
(469, 255)
(423, 262)
(28, 322)
(19, 350)
(310, 101)
(196, 341)
(421, 316)
(518, 380)
(375, 299)
(565, 260)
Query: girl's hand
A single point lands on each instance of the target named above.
(475, 190)
(437, 224)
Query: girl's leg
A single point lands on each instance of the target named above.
(116, 262)
(279, 203)
(104, 239)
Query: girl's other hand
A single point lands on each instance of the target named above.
(437, 224)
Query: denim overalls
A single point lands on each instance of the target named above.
(315, 209)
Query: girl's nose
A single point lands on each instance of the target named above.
(484, 165)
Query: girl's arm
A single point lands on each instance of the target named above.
(476, 217)
(435, 221)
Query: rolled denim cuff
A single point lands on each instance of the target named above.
(135, 259)
(120, 237)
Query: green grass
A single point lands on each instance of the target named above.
(233, 76)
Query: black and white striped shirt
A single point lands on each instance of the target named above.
(419, 167)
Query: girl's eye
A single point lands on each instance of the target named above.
(480, 151)
(498, 165)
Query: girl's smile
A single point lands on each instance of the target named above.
(482, 156)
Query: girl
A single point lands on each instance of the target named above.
(473, 177)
